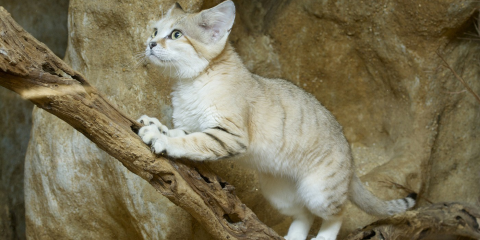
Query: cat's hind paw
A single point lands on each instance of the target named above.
(322, 238)
(294, 238)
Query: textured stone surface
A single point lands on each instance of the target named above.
(75, 189)
(47, 21)
(372, 63)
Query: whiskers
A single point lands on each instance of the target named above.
(173, 70)
(181, 67)
(139, 59)
(185, 67)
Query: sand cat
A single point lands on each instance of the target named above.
(221, 110)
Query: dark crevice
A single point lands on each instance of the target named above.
(223, 184)
(425, 232)
(369, 235)
(80, 79)
(473, 218)
(48, 68)
(469, 29)
(135, 128)
(168, 180)
(206, 179)
(232, 218)
(156, 181)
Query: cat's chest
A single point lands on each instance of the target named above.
(192, 109)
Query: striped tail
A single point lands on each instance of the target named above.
(366, 201)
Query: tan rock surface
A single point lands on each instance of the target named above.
(372, 63)
(85, 192)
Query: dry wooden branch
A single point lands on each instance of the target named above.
(30, 69)
(453, 219)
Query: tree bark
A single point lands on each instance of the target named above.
(436, 221)
(30, 69)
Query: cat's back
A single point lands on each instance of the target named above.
(298, 106)
(291, 126)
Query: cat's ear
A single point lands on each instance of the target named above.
(217, 21)
(176, 8)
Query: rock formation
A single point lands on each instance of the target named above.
(374, 64)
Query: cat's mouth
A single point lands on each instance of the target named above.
(154, 57)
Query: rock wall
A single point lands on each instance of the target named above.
(374, 64)
(73, 188)
(47, 21)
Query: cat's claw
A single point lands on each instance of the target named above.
(152, 149)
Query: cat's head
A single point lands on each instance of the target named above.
(184, 43)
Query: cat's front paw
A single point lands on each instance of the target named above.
(146, 121)
(151, 135)
(148, 133)
(159, 145)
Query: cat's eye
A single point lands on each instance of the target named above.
(154, 33)
(176, 34)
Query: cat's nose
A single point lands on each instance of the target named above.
(152, 44)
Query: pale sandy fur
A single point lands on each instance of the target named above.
(221, 110)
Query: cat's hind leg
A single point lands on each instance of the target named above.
(330, 228)
(281, 193)
(302, 221)
(324, 195)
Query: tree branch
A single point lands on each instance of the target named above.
(30, 69)
(454, 219)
